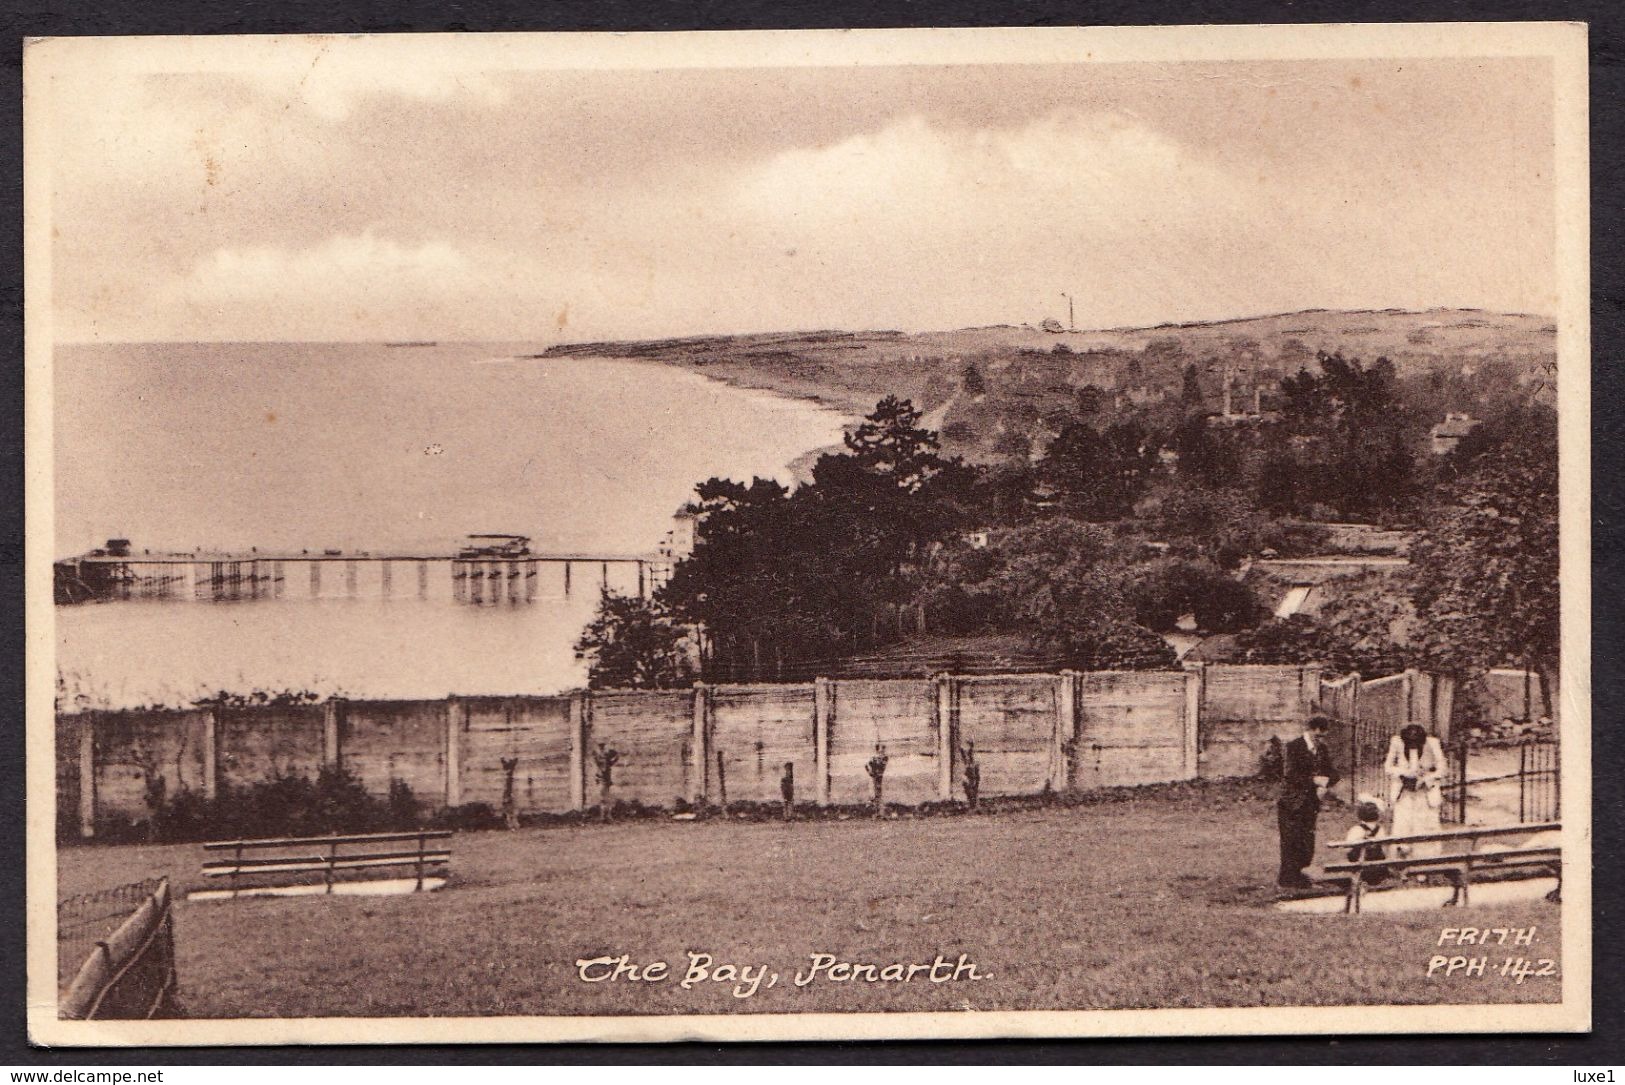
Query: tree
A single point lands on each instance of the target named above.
(972, 381)
(1013, 446)
(1352, 428)
(1166, 591)
(1204, 456)
(1298, 638)
(1100, 475)
(1065, 584)
(891, 441)
(1190, 388)
(1090, 401)
(1487, 588)
(778, 576)
(634, 643)
(1223, 526)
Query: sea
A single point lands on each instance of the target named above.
(382, 448)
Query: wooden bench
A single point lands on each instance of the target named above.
(1459, 859)
(327, 855)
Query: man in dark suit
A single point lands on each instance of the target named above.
(1307, 774)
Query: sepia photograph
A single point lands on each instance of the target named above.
(808, 535)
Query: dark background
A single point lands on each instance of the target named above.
(1607, 65)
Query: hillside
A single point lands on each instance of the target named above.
(1025, 376)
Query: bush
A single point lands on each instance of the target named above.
(1166, 591)
(469, 817)
(1272, 762)
(287, 803)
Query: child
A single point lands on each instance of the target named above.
(1369, 812)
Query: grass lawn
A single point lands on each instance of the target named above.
(1162, 899)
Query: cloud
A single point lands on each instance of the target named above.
(1068, 168)
(295, 199)
(366, 262)
(341, 287)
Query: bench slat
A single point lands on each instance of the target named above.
(1460, 834)
(1517, 857)
(323, 841)
(274, 860)
(403, 855)
(317, 866)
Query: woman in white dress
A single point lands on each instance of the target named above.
(1415, 766)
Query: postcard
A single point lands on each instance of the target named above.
(808, 535)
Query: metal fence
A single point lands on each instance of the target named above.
(1539, 782)
(116, 953)
(1368, 751)
(1453, 810)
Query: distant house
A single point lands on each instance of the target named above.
(1448, 434)
(684, 534)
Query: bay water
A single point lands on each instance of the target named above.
(293, 446)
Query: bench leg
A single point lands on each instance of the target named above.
(1458, 891)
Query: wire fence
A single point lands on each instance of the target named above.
(116, 953)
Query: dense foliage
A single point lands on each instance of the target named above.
(1124, 531)
(287, 803)
(1487, 589)
(634, 644)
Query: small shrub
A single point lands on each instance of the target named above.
(877, 772)
(1273, 760)
(402, 805)
(469, 817)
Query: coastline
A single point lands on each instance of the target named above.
(743, 377)
(847, 409)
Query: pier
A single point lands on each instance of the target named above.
(480, 575)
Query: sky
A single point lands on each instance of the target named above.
(345, 201)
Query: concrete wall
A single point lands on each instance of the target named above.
(899, 714)
(170, 742)
(1013, 722)
(256, 743)
(381, 741)
(535, 732)
(652, 731)
(756, 729)
(1030, 732)
(1244, 706)
(1134, 728)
